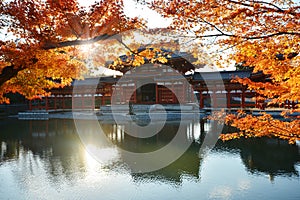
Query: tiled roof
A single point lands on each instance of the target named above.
(224, 75)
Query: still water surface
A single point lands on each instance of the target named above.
(47, 160)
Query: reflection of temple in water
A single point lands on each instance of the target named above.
(56, 142)
(188, 164)
(117, 134)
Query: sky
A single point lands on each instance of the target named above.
(132, 9)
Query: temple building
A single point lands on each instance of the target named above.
(164, 87)
(158, 83)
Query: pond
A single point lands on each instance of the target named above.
(51, 160)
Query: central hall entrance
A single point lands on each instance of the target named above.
(146, 94)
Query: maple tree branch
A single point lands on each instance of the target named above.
(268, 35)
(266, 9)
(11, 71)
(8, 73)
(221, 33)
(258, 2)
(125, 45)
(230, 47)
(270, 4)
(213, 25)
(48, 46)
(246, 37)
(283, 130)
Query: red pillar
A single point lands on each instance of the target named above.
(93, 102)
(122, 94)
(201, 99)
(228, 99)
(110, 93)
(243, 98)
(173, 95)
(156, 93)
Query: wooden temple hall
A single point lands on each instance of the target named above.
(153, 84)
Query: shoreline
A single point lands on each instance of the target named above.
(120, 116)
(139, 114)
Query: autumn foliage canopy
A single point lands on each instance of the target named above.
(41, 41)
(41, 46)
(262, 35)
